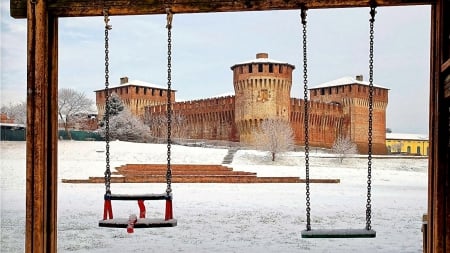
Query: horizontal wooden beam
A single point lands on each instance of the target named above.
(83, 8)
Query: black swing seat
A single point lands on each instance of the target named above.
(339, 233)
(141, 223)
(162, 196)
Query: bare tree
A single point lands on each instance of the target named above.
(343, 146)
(18, 112)
(70, 103)
(275, 136)
(158, 125)
(397, 147)
(126, 127)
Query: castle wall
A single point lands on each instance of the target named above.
(262, 91)
(211, 119)
(326, 121)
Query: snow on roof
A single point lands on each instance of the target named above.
(344, 81)
(12, 125)
(136, 83)
(139, 83)
(403, 136)
(261, 58)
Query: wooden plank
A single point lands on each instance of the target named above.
(141, 223)
(160, 196)
(438, 232)
(339, 233)
(41, 158)
(82, 8)
(445, 66)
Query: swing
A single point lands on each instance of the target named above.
(366, 232)
(133, 221)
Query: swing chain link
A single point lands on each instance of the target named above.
(169, 98)
(107, 104)
(369, 163)
(306, 118)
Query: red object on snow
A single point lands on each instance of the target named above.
(131, 221)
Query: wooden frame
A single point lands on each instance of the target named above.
(42, 87)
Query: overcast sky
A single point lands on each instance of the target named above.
(205, 46)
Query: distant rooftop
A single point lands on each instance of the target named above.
(403, 136)
(344, 81)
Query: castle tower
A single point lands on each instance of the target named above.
(135, 95)
(353, 95)
(262, 91)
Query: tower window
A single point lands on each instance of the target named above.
(280, 69)
(137, 90)
(250, 68)
(260, 68)
(270, 68)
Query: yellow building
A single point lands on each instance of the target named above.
(409, 144)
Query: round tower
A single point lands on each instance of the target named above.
(262, 89)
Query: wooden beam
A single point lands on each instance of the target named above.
(41, 158)
(81, 8)
(438, 237)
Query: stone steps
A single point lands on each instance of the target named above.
(189, 173)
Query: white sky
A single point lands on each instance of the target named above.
(205, 46)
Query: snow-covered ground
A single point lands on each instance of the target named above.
(223, 217)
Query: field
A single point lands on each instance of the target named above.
(224, 217)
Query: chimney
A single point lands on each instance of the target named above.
(359, 78)
(262, 55)
(124, 80)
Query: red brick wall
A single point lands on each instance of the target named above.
(135, 98)
(355, 101)
(4, 118)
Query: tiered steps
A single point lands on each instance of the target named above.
(228, 159)
(189, 173)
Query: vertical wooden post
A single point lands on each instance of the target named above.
(438, 237)
(41, 158)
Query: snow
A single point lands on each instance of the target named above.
(405, 136)
(344, 81)
(223, 217)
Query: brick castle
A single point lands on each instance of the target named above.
(262, 89)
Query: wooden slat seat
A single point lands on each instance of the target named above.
(141, 223)
(162, 196)
(338, 233)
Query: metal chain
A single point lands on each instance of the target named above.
(169, 99)
(107, 105)
(306, 119)
(369, 163)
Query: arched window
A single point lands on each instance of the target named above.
(408, 150)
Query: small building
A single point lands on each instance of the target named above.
(12, 132)
(408, 144)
